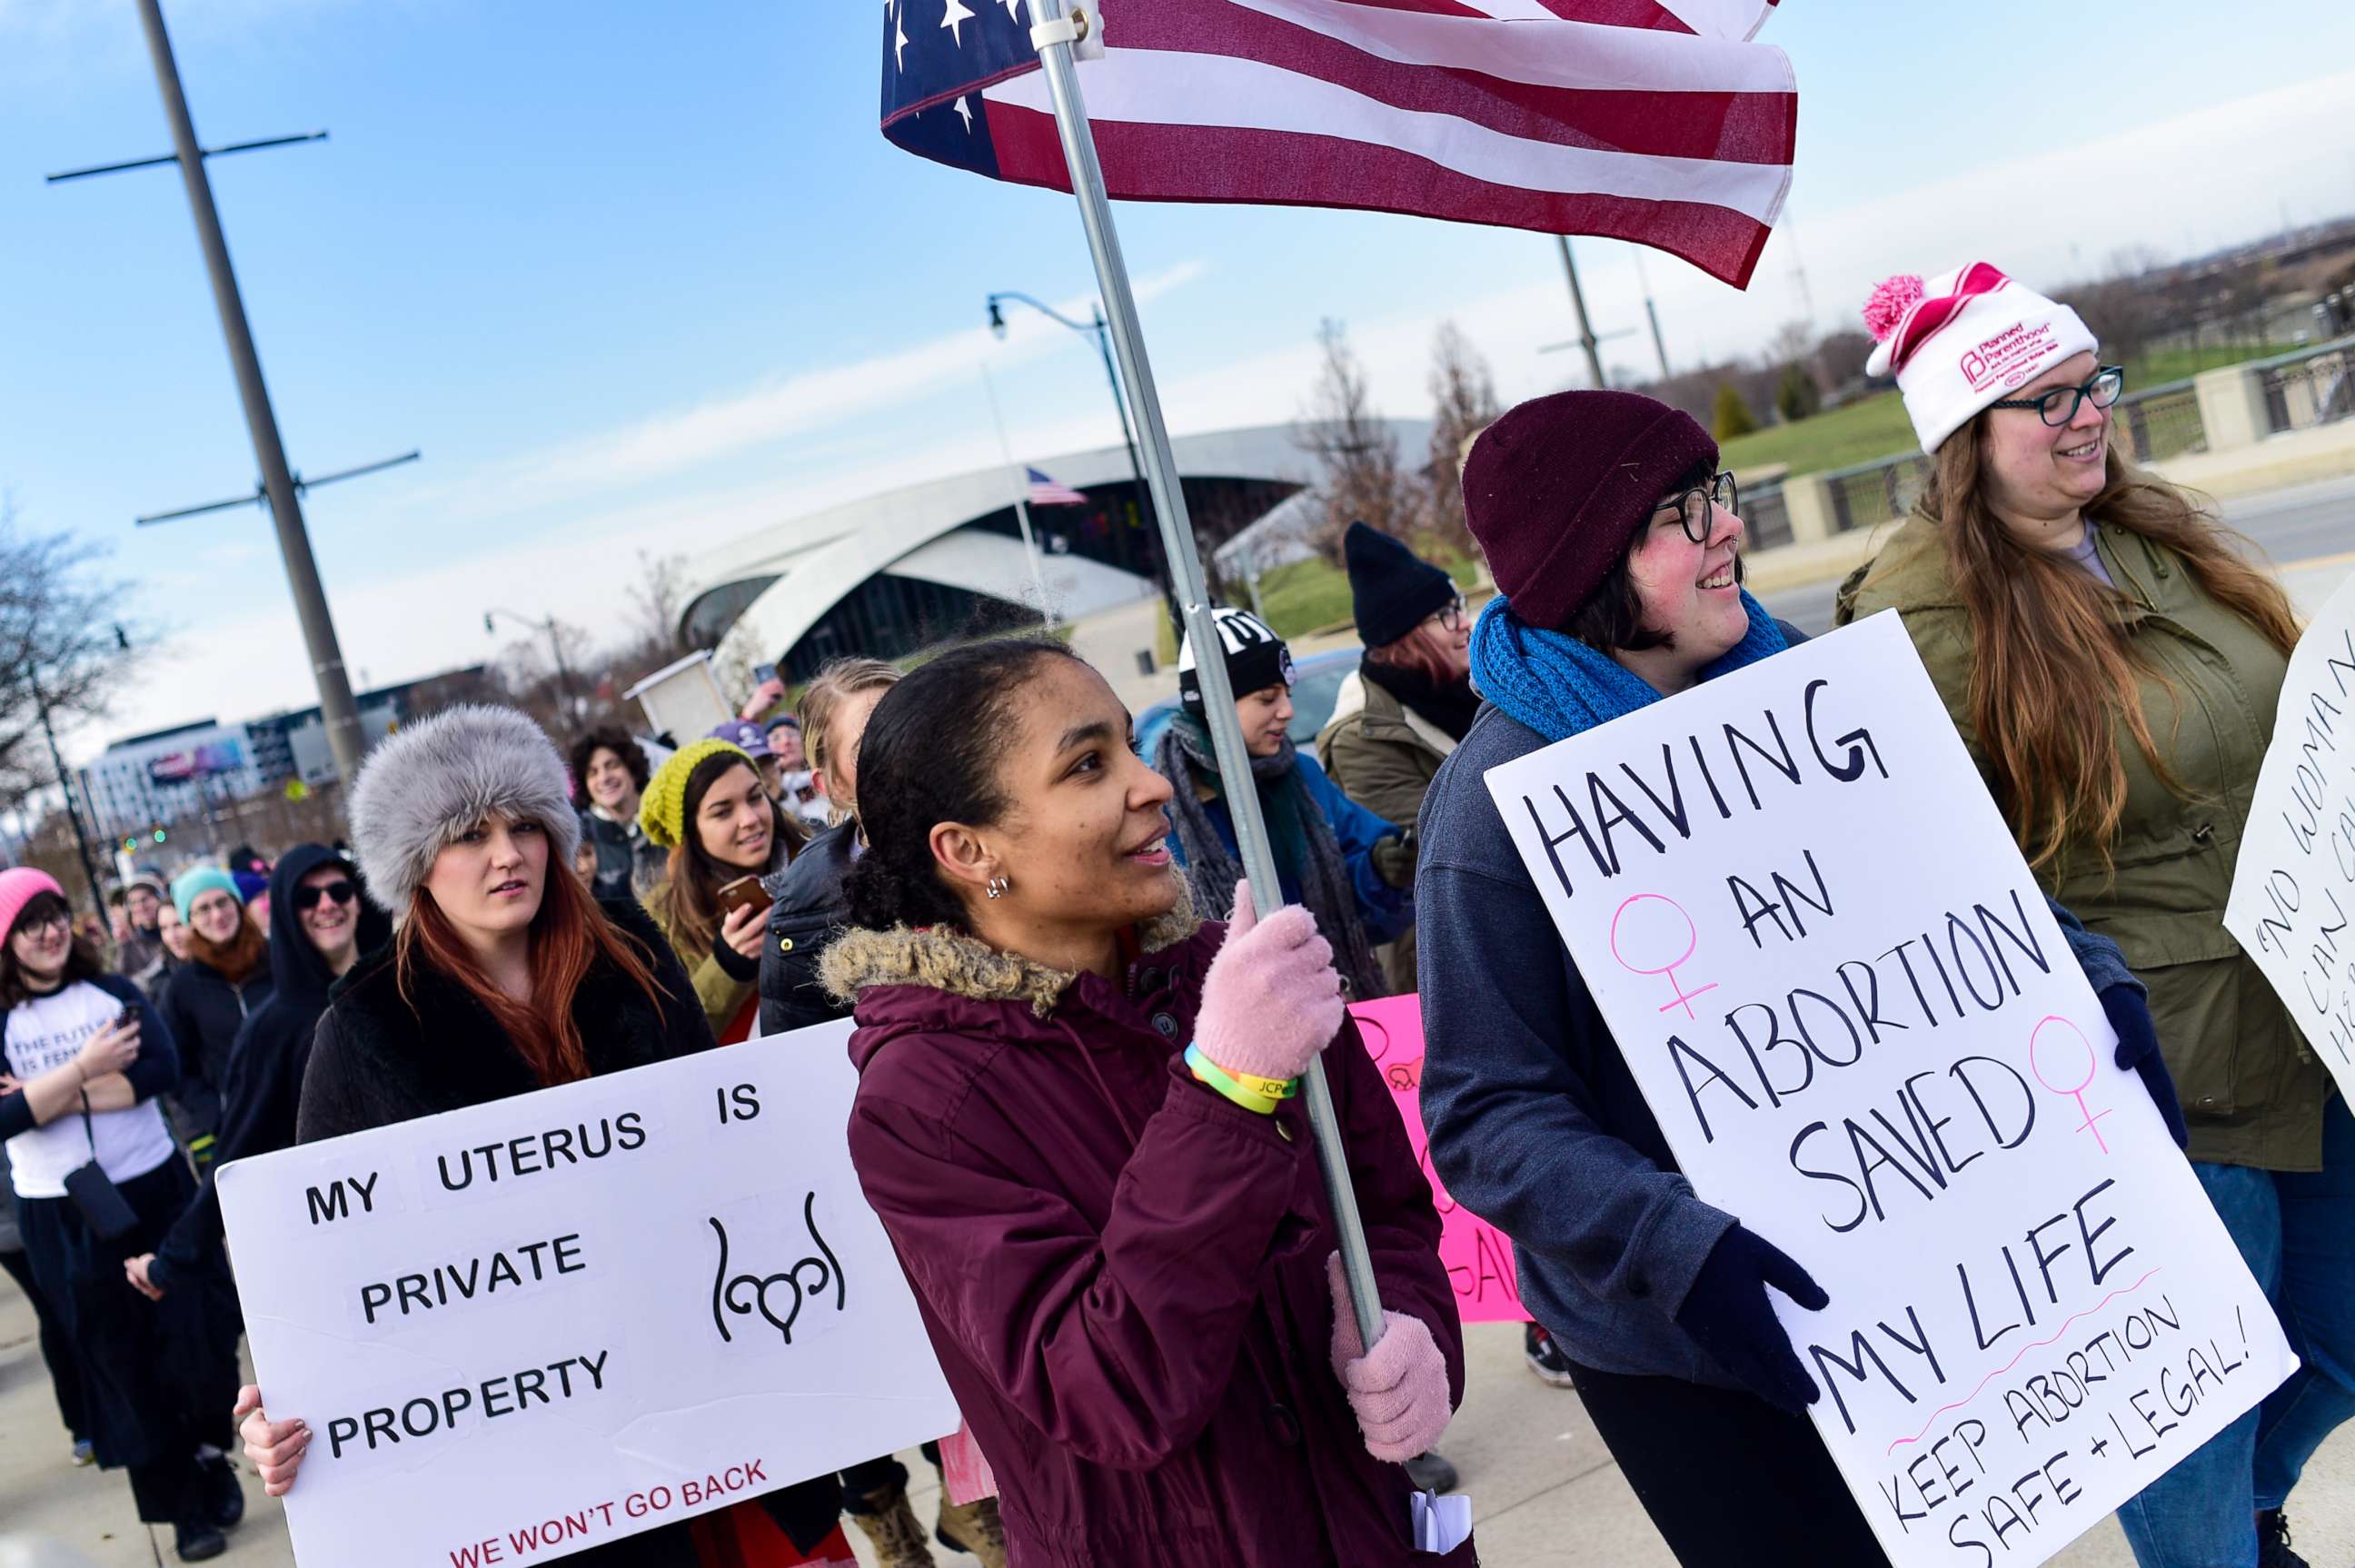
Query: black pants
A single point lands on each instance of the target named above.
(1730, 1481)
(57, 1346)
(151, 1372)
(862, 1481)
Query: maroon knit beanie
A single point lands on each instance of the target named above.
(1555, 489)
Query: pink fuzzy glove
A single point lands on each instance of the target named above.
(1399, 1391)
(1271, 1000)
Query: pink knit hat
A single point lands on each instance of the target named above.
(20, 885)
(1959, 341)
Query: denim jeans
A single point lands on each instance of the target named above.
(2297, 1231)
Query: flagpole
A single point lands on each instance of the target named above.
(1021, 496)
(1055, 35)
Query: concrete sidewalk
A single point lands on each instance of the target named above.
(1544, 1491)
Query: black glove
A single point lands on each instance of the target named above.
(2139, 1048)
(733, 963)
(1728, 1314)
(1394, 859)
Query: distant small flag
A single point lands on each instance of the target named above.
(1046, 491)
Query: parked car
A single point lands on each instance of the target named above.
(1315, 687)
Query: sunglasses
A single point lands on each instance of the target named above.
(308, 898)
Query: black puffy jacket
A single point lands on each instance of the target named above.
(810, 908)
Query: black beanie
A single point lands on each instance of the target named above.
(1392, 589)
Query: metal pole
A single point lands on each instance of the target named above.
(1186, 572)
(1021, 495)
(1650, 310)
(65, 787)
(336, 708)
(1586, 338)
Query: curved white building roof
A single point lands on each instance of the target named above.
(760, 595)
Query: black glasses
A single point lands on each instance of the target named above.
(1692, 506)
(308, 898)
(39, 925)
(2060, 405)
(1450, 617)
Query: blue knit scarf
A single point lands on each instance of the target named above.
(1560, 686)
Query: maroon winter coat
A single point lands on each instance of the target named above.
(1124, 1274)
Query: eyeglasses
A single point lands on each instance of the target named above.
(308, 898)
(58, 920)
(2060, 405)
(1693, 505)
(1450, 616)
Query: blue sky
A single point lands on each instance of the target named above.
(643, 277)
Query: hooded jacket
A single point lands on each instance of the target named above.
(1124, 1274)
(1383, 755)
(205, 1010)
(810, 907)
(375, 1061)
(264, 1085)
(2253, 1091)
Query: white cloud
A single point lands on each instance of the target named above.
(786, 407)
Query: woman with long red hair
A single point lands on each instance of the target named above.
(2115, 662)
(504, 976)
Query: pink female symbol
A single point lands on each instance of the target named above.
(2092, 1066)
(1683, 998)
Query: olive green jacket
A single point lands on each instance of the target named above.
(723, 995)
(2252, 1092)
(1383, 756)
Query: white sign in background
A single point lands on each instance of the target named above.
(2293, 903)
(538, 1325)
(1863, 1032)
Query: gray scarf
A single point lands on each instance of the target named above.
(1307, 856)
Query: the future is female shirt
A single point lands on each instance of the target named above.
(44, 1034)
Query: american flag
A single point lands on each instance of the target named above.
(1652, 121)
(1048, 491)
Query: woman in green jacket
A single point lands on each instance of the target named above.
(707, 807)
(2114, 666)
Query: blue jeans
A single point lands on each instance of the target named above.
(2297, 1231)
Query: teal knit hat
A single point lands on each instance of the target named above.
(188, 886)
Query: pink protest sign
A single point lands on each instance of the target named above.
(1479, 1257)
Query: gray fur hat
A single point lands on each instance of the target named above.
(432, 780)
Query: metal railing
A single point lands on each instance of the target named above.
(2160, 423)
(1871, 494)
(2312, 387)
(1764, 519)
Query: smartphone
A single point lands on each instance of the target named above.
(763, 672)
(127, 1019)
(744, 892)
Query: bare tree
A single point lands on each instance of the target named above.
(65, 647)
(1463, 394)
(1364, 479)
(657, 604)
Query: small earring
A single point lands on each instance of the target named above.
(997, 887)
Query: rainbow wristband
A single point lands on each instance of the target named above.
(1209, 1072)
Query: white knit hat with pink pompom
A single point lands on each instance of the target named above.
(1959, 341)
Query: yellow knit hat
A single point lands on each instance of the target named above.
(662, 809)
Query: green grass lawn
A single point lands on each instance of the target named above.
(1876, 427)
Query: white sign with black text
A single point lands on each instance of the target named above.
(1864, 1035)
(538, 1325)
(2293, 904)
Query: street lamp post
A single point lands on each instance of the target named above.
(1096, 326)
(555, 645)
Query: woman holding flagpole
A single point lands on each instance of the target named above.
(2114, 666)
(1077, 1119)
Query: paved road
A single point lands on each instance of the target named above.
(2307, 530)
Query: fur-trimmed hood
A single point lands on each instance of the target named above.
(941, 959)
(427, 784)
